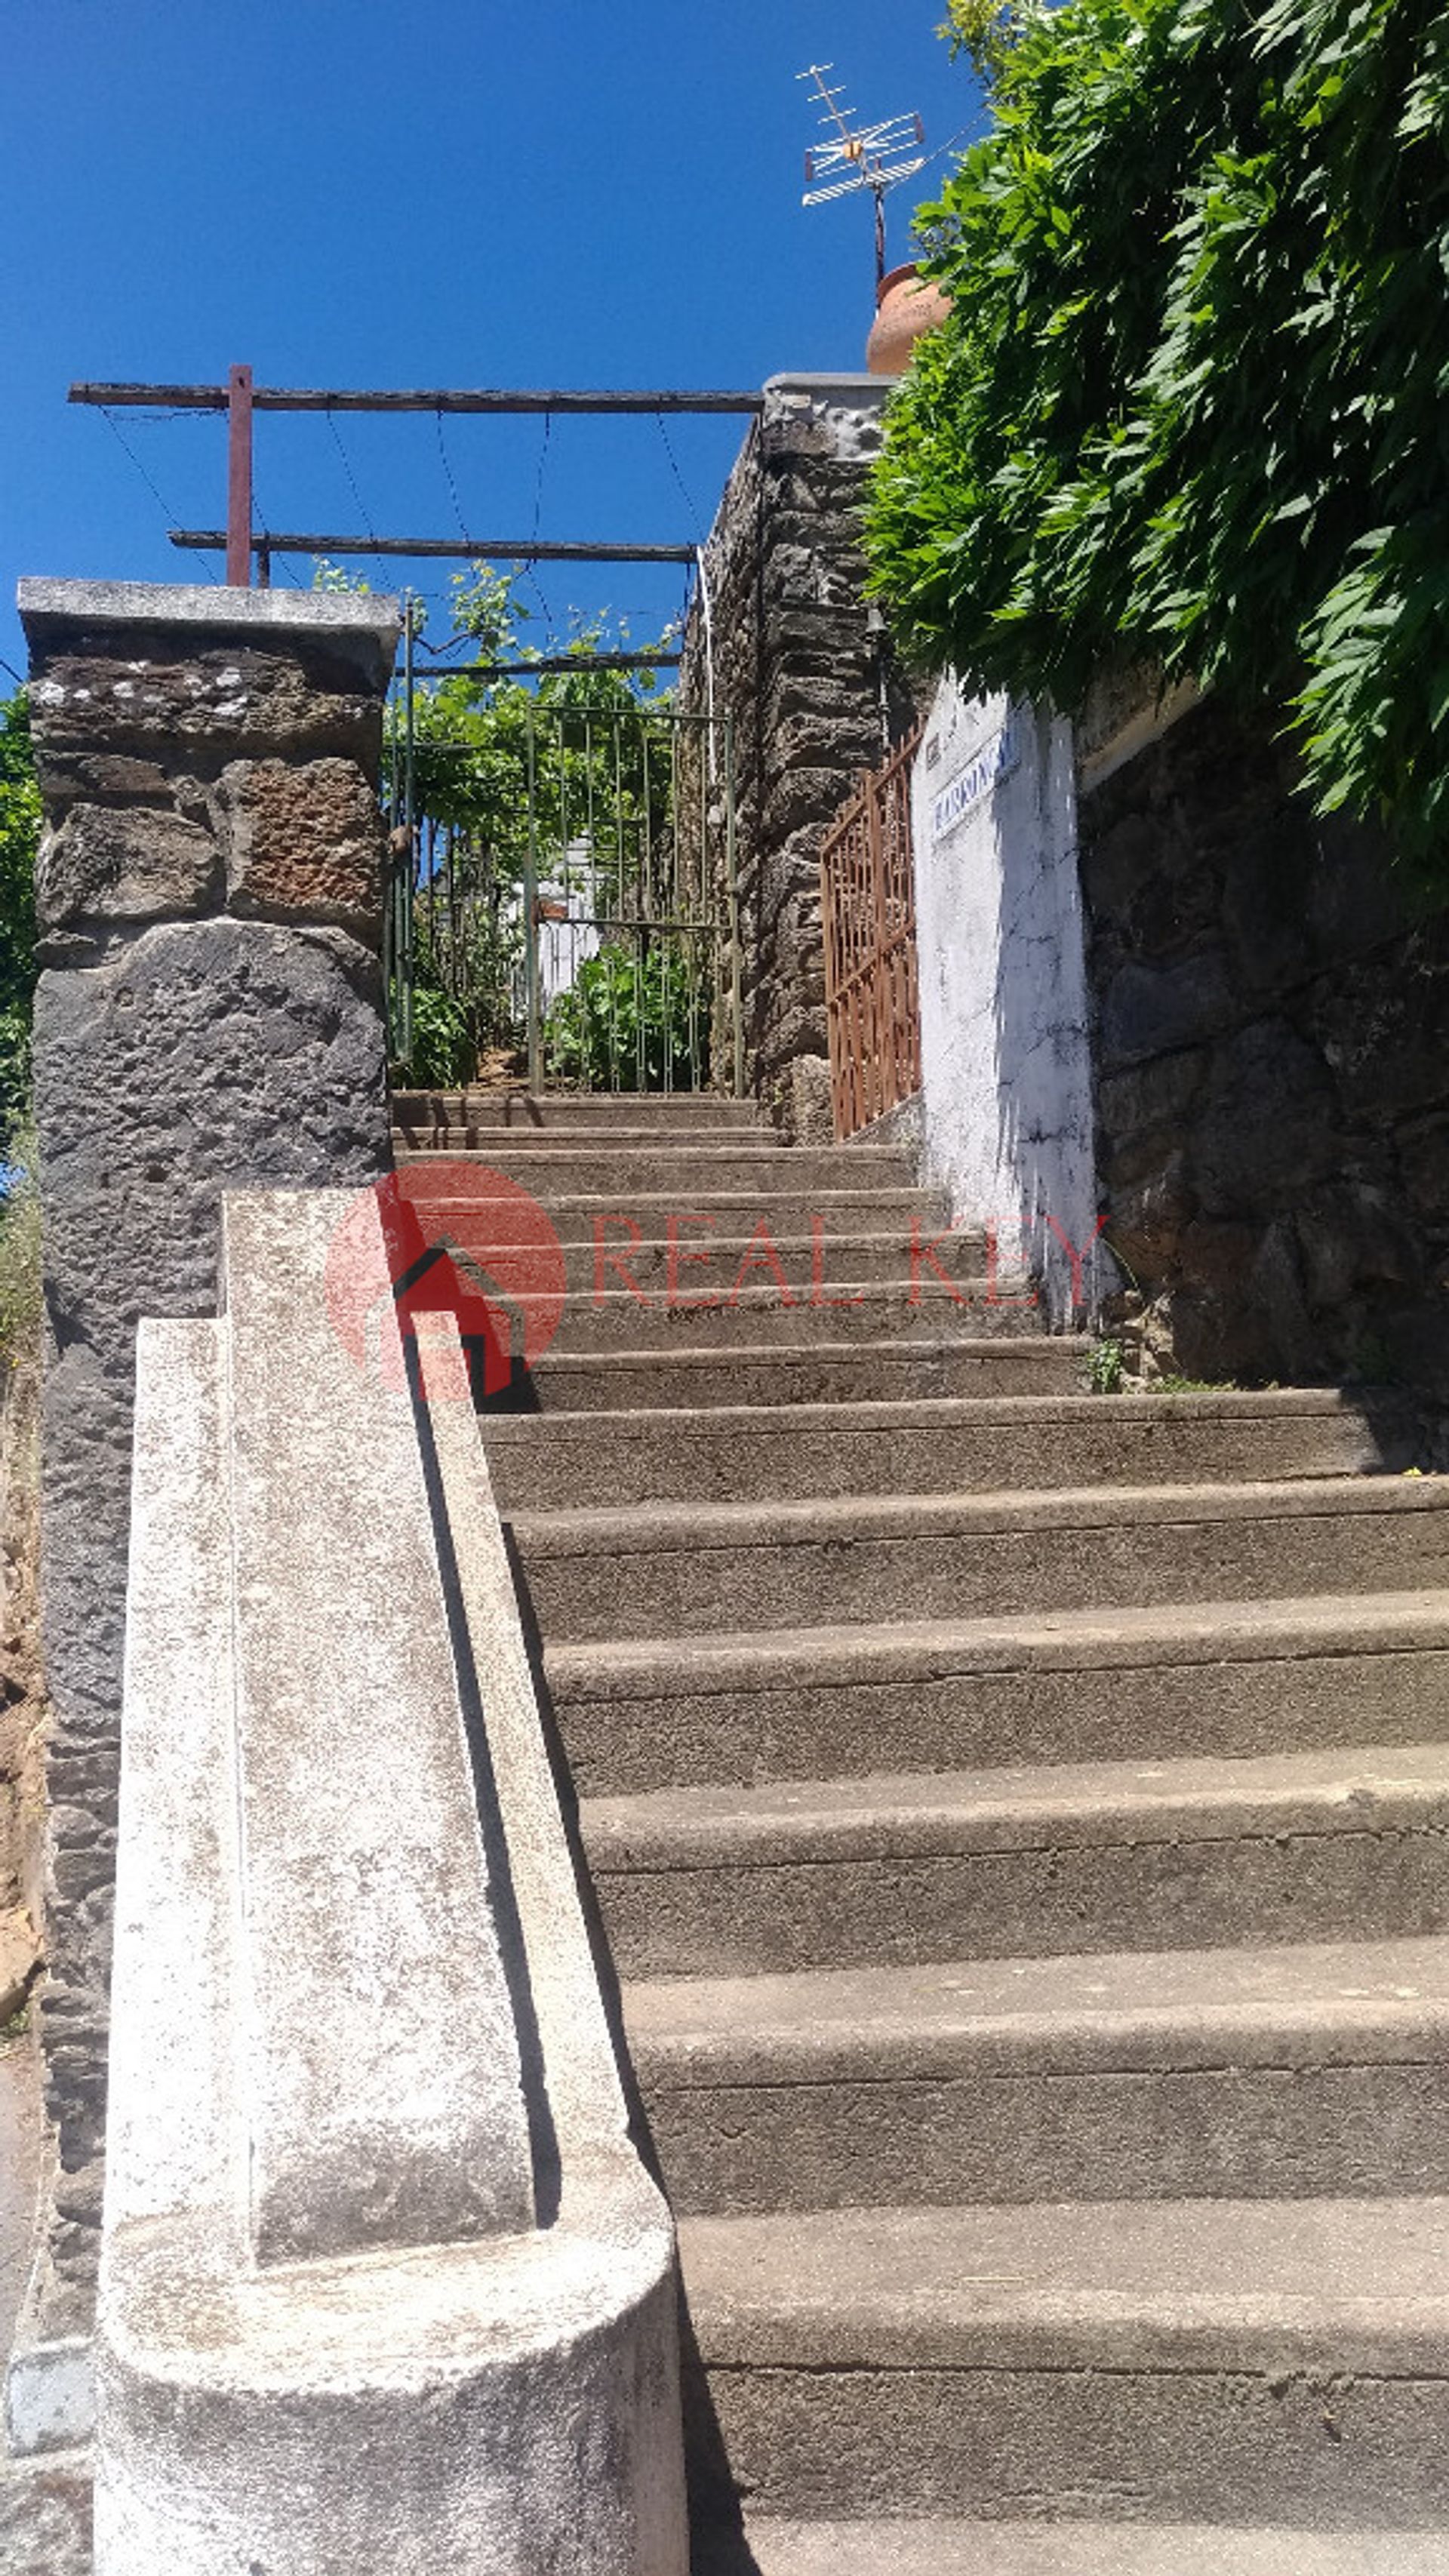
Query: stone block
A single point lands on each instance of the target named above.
(190, 1055)
(137, 667)
(842, 739)
(305, 841)
(1146, 1222)
(1150, 1010)
(1276, 1296)
(86, 1431)
(1351, 1237)
(1384, 1026)
(1216, 1255)
(66, 777)
(1268, 1124)
(1178, 908)
(1153, 1095)
(214, 698)
(1138, 1160)
(1424, 1159)
(806, 800)
(124, 863)
(199, 1056)
(1355, 895)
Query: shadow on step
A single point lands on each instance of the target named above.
(719, 2546)
(513, 1949)
(714, 2507)
(714, 2551)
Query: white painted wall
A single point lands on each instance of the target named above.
(1006, 1066)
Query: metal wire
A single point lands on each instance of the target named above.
(448, 471)
(293, 579)
(534, 582)
(351, 477)
(690, 503)
(171, 516)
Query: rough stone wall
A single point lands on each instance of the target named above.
(803, 670)
(1271, 1006)
(209, 1017)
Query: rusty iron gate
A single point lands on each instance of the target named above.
(563, 898)
(868, 907)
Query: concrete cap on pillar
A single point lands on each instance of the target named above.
(367, 628)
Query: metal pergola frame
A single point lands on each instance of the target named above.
(240, 398)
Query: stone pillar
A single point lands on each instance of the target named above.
(804, 670)
(209, 1017)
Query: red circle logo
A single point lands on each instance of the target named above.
(461, 1240)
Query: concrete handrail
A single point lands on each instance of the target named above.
(384, 2284)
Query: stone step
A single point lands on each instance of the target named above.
(664, 1568)
(580, 1216)
(1157, 2075)
(771, 2545)
(892, 1871)
(418, 1115)
(697, 1265)
(1283, 2361)
(665, 1167)
(480, 1140)
(753, 1313)
(938, 1445)
(821, 1371)
(695, 1274)
(1226, 1678)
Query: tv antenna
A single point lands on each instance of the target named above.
(855, 157)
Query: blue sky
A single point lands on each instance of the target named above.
(421, 192)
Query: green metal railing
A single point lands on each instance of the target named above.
(563, 897)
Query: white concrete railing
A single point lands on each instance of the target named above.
(384, 2284)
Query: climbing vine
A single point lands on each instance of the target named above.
(1192, 403)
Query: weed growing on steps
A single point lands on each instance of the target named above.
(1106, 1373)
(1106, 1367)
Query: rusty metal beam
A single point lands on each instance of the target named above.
(239, 479)
(446, 549)
(449, 399)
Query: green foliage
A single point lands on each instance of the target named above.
(445, 1043)
(329, 576)
(1189, 403)
(19, 839)
(985, 31)
(20, 1270)
(510, 771)
(1106, 1367)
(471, 745)
(631, 1023)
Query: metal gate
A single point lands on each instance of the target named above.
(868, 905)
(563, 901)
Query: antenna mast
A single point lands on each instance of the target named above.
(853, 158)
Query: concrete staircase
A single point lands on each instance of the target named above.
(1018, 1819)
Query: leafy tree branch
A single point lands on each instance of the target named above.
(1190, 402)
